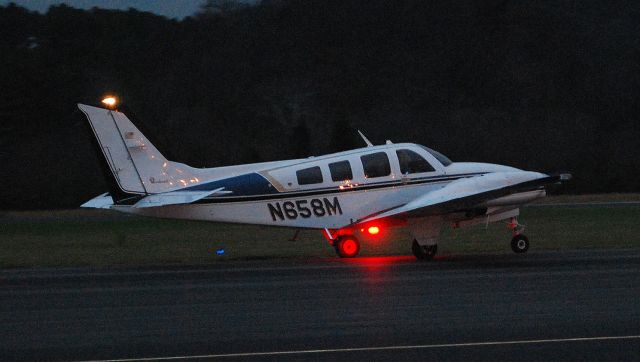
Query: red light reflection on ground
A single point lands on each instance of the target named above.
(375, 269)
(379, 263)
(378, 260)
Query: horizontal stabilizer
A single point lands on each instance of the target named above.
(104, 201)
(176, 198)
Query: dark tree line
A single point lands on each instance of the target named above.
(549, 86)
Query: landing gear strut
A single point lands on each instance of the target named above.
(347, 246)
(423, 252)
(519, 242)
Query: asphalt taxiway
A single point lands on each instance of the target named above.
(549, 305)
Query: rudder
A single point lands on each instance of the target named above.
(137, 166)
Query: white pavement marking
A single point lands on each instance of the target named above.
(595, 203)
(387, 348)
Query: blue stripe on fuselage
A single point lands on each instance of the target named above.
(255, 185)
(245, 185)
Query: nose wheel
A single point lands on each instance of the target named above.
(519, 242)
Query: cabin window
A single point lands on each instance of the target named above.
(308, 176)
(376, 165)
(341, 171)
(411, 162)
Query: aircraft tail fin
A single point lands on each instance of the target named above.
(138, 168)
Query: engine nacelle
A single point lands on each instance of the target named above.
(516, 199)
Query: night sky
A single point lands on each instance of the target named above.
(171, 9)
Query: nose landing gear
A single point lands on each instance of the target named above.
(519, 242)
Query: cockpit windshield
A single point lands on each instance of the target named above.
(444, 160)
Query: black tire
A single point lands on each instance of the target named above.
(347, 247)
(423, 252)
(520, 244)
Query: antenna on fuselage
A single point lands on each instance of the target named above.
(366, 140)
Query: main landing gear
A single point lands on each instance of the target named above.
(519, 242)
(347, 246)
(423, 252)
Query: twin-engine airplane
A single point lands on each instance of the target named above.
(344, 194)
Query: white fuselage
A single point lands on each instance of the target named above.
(343, 193)
(316, 192)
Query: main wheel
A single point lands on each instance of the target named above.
(347, 247)
(423, 252)
(520, 244)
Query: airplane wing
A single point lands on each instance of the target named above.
(468, 193)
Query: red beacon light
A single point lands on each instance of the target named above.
(373, 230)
